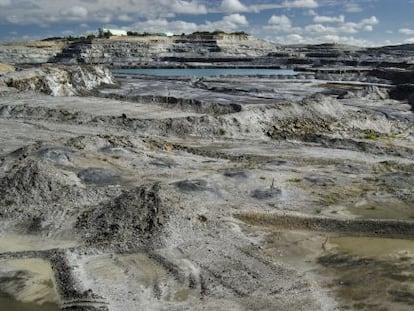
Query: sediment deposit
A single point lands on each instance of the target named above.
(220, 193)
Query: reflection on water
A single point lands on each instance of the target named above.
(205, 72)
(371, 274)
(27, 284)
(8, 304)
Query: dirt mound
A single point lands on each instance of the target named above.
(135, 217)
(35, 182)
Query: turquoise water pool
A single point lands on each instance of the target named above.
(205, 72)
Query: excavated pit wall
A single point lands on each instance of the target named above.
(180, 203)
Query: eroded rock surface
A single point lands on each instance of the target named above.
(138, 198)
(58, 80)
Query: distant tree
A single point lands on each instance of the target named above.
(132, 33)
(240, 33)
(52, 39)
(218, 32)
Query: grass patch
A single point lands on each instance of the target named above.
(295, 180)
(329, 200)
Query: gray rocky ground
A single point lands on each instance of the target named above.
(229, 193)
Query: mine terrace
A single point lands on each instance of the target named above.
(127, 191)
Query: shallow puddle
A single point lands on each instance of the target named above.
(359, 273)
(8, 304)
(19, 243)
(376, 210)
(27, 284)
(370, 273)
(373, 247)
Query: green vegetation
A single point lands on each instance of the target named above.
(222, 132)
(370, 134)
(131, 33)
(202, 218)
(295, 180)
(145, 34)
(330, 200)
(71, 38)
(219, 32)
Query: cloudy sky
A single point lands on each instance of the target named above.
(360, 22)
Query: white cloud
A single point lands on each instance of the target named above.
(329, 19)
(353, 8)
(236, 19)
(230, 22)
(409, 40)
(309, 4)
(125, 18)
(406, 31)
(233, 6)
(334, 29)
(279, 20)
(47, 12)
(295, 38)
(184, 7)
(75, 13)
(369, 21)
(5, 2)
(163, 26)
(368, 28)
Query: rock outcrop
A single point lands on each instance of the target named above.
(139, 50)
(36, 52)
(58, 80)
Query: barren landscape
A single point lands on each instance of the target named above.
(281, 192)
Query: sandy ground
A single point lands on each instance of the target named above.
(292, 202)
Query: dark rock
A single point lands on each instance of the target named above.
(35, 182)
(135, 217)
(195, 185)
(399, 181)
(352, 168)
(99, 176)
(236, 174)
(322, 181)
(164, 163)
(265, 194)
(60, 156)
(114, 150)
(411, 101)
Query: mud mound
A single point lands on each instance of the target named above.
(38, 183)
(135, 217)
(99, 176)
(193, 185)
(58, 155)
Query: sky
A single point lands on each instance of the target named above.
(356, 22)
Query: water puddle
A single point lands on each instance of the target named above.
(381, 210)
(27, 284)
(149, 283)
(359, 273)
(8, 304)
(380, 248)
(370, 273)
(19, 243)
